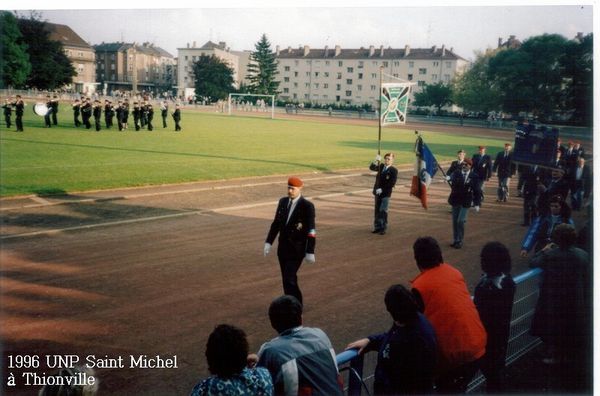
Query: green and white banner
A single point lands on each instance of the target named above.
(394, 102)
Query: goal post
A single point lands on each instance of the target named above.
(245, 102)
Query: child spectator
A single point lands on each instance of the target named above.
(493, 298)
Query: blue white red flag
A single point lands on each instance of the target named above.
(425, 168)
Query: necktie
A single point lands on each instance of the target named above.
(287, 210)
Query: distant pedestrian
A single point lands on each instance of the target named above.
(19, 106)
(7, 106)
(177, 117)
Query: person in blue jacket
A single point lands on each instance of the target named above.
(539, 233)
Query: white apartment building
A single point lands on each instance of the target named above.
(351, 76)
(186, 57)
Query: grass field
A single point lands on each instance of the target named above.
(211, 146)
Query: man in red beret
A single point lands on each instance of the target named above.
(295, 223)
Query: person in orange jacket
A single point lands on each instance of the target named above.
(442, 292)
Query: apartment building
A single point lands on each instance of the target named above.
(186, 57)
(81, 55)
(351, 76)
(134, 67)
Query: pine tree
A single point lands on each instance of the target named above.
(262, 69)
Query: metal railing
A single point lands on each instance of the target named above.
(358, 371)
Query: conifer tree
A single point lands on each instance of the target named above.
(262, 69)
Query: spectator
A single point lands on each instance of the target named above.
(562, 316)
(442, 291)
(227, 357)
(580, 184)
(493, 298)
(538, 235)
(406, 353)
(556, 185)
(532, 188)
(300, 359)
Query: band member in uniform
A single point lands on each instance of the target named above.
(54, 104)
(505, 170)
(48, 114)
(109, 113)
(149, 116)
(7, 106)
(143, 114)
(119, 113)
(76, 112)
(19, 106)
(482, 167)
(137, 114)
(125, 114)
(86, 113)
(97, 114)
(177, 117)
(164, 112)
(295, 223)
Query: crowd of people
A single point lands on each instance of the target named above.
(85, 111)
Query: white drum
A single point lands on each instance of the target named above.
(40, 109)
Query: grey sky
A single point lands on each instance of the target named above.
(465, 28)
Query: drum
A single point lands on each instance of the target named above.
(40, 109)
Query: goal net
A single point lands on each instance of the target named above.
(251, 104)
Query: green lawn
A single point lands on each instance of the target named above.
(211, 146)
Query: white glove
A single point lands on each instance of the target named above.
(448, 178)
(309, 258)
(378, 191)
(378, 158)
(267, 248)
(476, 208)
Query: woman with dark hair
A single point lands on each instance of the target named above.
(538, 235)
(227, 356)
(493, 298)
(407, 352)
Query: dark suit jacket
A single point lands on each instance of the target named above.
(464, 194)
(297, 237)
(455, 165)
(504, 166)
(584, 183)
(482, 166)
(385, 180)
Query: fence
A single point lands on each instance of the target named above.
(358, 370)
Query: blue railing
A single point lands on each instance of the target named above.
(358, 369)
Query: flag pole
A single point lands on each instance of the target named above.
(380, 84)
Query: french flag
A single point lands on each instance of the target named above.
(425, 168)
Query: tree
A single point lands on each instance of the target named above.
(262, 69)
(579, 73)
(438, 95)
(214, 78)
(531, 77)
(473, 91)
(14, 60)
(50, 67)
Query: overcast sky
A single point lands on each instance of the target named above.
(465, 27)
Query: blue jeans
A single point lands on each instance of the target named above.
(503, 188)
(381, 212)
(577, 199)
(459, 218)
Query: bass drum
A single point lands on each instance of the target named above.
(40, 109)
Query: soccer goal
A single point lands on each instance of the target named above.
(255, 104)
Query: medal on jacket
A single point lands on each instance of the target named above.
(299, 226)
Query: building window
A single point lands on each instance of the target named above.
(434, 77)
(307, 74)
(348, 93)
(306, 96)
(112, 66)
(360, 76)
(337, 98)
(359, 87)
(308, 62)
(287, 68)
(194, 58)
(338, 87)
(286, 90)
(325, 96)
(350, 70)
(286, 79)
(396, 63)
(316, 85)
(186, 57)
(422, 70)
(325, 74)
(295, 74)
(361, 64)
(448, 65)
(326, 63)
(112, 56)
(295, 85)
(306, 85)
(395, 74)
(316, 74)
(446, 77)
(373, 75)
(411, 64)
(339, 76)
(436, 63)
(410, 77)
(296, 62)
(325, 85)
(340, 63)
(385, 63)
(349, 81)
(374, 63)
(373, 87)
(295, 96)
(421, 83)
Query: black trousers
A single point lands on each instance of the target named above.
(289, 270)
(456, 380)
(19, 122)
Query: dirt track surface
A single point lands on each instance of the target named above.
(151, 271)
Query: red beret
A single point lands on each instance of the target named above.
(295, 182)
(468, 161)
(481, 147)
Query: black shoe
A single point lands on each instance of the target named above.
(376, 231)
(457, 245)
(382, 232)
(453, 244)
